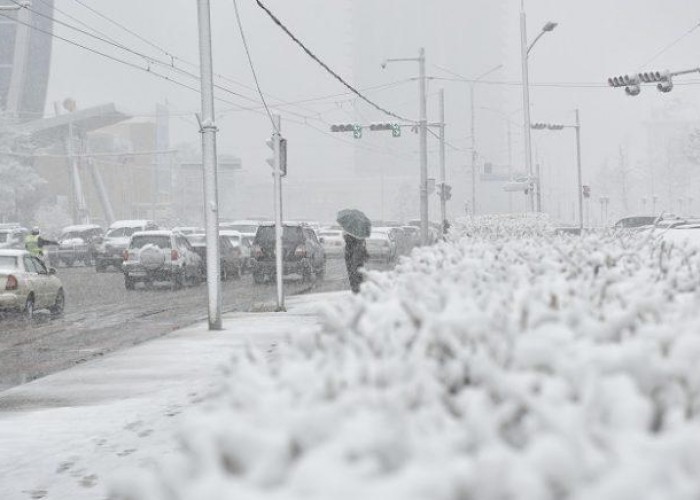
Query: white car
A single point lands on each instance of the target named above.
(12, 236)
(154, 256)
(27, 285)
(380, 246)
(242, 243)
(111, 251)
(332, 241)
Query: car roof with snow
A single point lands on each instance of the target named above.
(155, 232)
(230, 232)
(130, 223)
(81, 227)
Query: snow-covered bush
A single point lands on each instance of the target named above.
(507, 363)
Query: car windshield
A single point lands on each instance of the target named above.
(116, 233)
(8, 262)
(266, 235)
(197, 239)
(71, 235)
(235, 240)
(242, 228)
(158, 240)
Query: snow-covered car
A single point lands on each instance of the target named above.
(332, 241)
(158, 256)
(12, 236)
(111, 251)
(413, 236)
(27, 285)
(380, 246)
(77, 244)
(230, 259)
(302, 253)
(243, 244)
(245, 227)
(187, 230)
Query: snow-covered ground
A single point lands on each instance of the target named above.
(73, 434)
(507, 363)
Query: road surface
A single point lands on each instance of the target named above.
(101, 317)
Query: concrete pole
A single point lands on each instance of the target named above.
(526, 104)
(578, 169)
(209, 164)
(474, 155)
(277, 174)
(423, 150)
(443, 201)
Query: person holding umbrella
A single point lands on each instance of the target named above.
(356, 227)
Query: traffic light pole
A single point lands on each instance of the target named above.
(423, 149)
(211, 203)
(578, 168)
(277, 174)
(443, 199)
(526, 104)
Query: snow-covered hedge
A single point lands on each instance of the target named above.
(507, 363)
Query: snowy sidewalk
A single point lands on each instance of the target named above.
(62, 436)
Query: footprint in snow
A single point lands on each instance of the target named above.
(89, 481)
(64, 466)
(37, 494)
(145, 433)
(125, 453)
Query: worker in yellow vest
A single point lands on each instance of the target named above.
(34, 243)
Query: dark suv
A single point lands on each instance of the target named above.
(302, 253)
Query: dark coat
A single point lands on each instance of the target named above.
(356, 256)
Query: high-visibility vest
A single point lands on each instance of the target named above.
(31, 244)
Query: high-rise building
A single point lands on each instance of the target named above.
(25, 59)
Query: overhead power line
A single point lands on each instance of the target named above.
(671, 45)
(313, 56)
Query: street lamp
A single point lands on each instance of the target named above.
(525, 53)
(423, 129)
(577, 127)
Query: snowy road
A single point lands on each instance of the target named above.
(101, 316)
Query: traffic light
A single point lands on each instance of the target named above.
(586, 191)
(349, 127)
(630, 82)
(283, 154)
(444, 191)
(394, 127)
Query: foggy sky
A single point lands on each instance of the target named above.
(595, 39)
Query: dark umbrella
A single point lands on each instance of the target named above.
(355, 223)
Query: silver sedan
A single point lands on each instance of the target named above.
(27, 285)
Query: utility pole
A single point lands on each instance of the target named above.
(526, 102)
(474, 155)
(423, 131)
(423, 149)
(208, 131)
(277, 174)
(578, 170)
(443, 199)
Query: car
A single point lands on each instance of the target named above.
(27, 285)
(332, 241)
(230, 257)
(380, 246)
(302, 252)
(160, 256)
(636, 221)
(413, 235)
(401, 240)
(187, 230)
(245, 227)
(77, 244)
(244, 244)
(12, 236)
(111, 251)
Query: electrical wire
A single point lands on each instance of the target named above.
(313, 56)
(252, 66)
(671, 45)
